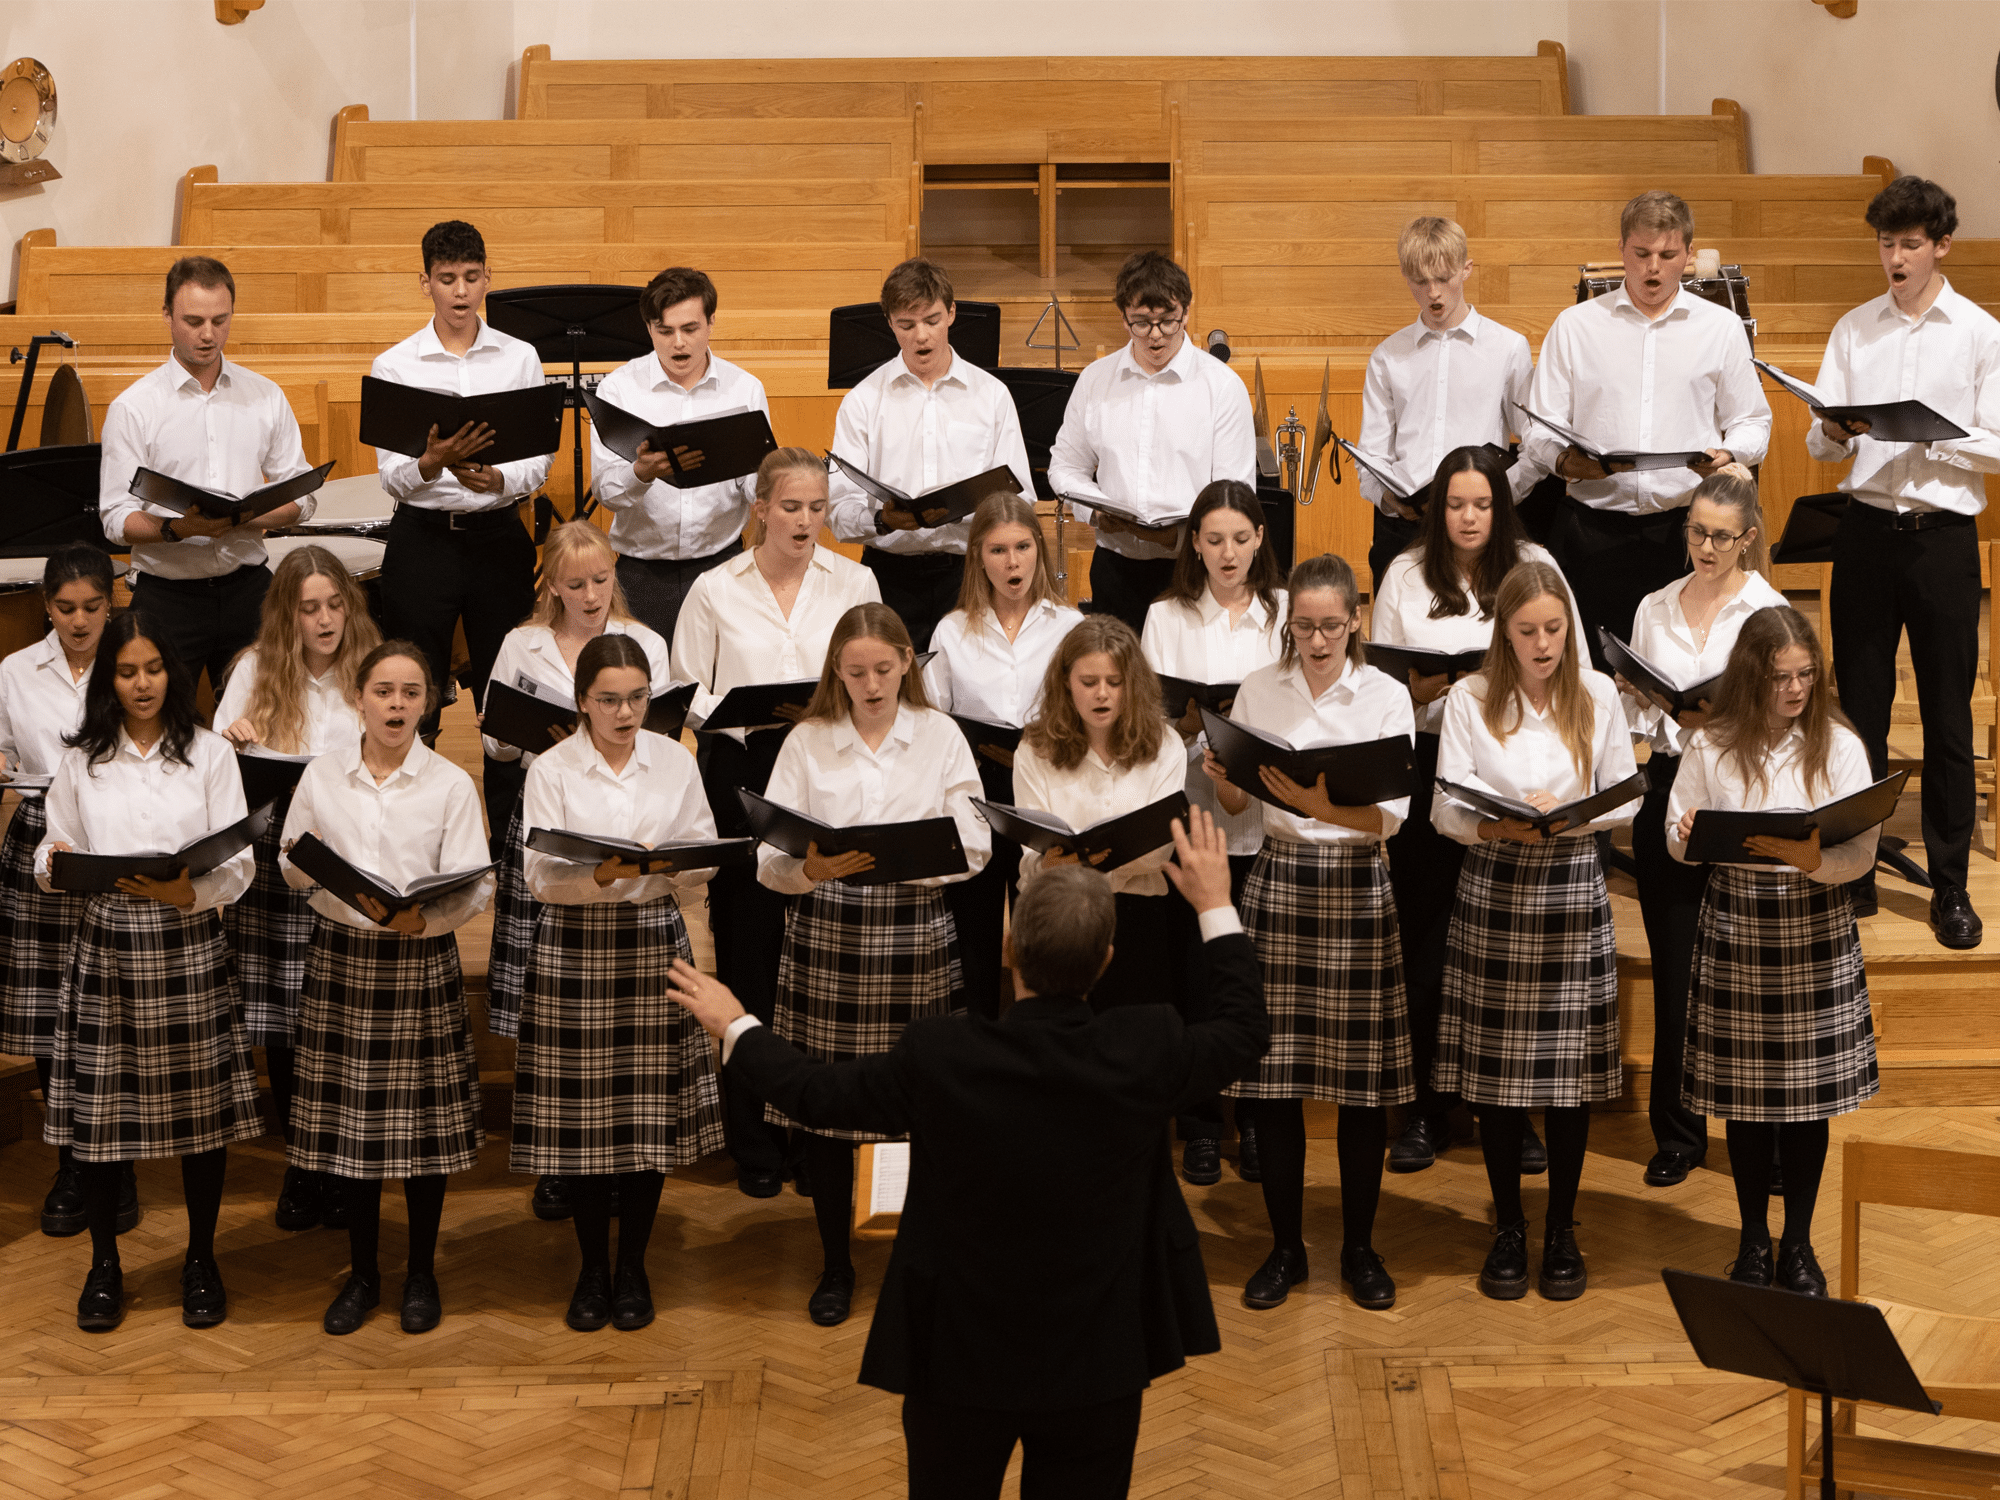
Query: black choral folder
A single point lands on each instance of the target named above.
(711, 450)
(1389, 486)
(1810, 528)
(1129, 517)
(1118, 840)
(69, 871)
(526, 423)
(903, 851)
(349, 882)
(1641, 462)
(1717, 837)
(756, 705)
(1356, 775)
(180, 497)
(1176, 693)
(1570, 814)
(1399, 661)
(956, 500)
(980, 733)
(536, 724)
(660, 859)
(1650, 679)
(1888, 421)
(267, 775)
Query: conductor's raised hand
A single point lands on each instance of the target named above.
(705, 997)
(441, 453)
(823, 867)
(1199, 869)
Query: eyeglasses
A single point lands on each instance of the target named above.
(1724, 541)
(612, 702)
(1782, 680)
(1165, 327)
(1333, 630)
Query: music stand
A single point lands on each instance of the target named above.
(1809, 529)
(48, 498)
(1838, 1350)
(1041, 397)
(571, 324)
(1280, 521)
(859, 340)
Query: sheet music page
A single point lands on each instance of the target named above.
(890, 1179)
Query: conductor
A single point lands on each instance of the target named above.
(1037, 1285)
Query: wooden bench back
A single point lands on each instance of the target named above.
(1953, 1182)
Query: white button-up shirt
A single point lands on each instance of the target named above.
(1533, 758)
(979, 673)
(1091, 791)
(1629, 383)
(531, 661)
(134, 803)
(653, 519)
(1430, 390)
(1150, 443)
(1360, 705)
(1949, 359)
(1707, 778)
(1199, 643)
(232, 439)
(39, 704)
(331, 720)
(655, 798)
(918, 440)
(495, 362)
(1661, 634)
(922, 769)
(422, 820)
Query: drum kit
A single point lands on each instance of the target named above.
(1707, 278)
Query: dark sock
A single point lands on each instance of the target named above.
(1364, 1136)
(1566, 1132)
(423, 1197)
(1501, 1132)
(1281, 1147)
(201, 1184)
(590, 1212)
(100, 1180)
(831, 1163)
(1802, 1149)
(638, 1207)
(1750, 1149)
(282, 1064)
(363, 1197)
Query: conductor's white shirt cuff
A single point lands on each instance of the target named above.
(1219, 922)
(736, 1028)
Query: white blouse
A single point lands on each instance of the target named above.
(922, 769)
(656, 798)
(422, 820)
(530, 659)
(1708, 779)
(332, 722)
(144, 803)
(1532, 758)
(1199, 643)
(1091, 791)
(1661, 634)
(978, 672)
(1361, 704)
(39, 704)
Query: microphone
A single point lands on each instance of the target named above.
(1218, 343)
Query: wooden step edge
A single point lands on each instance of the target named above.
(1892, 1467)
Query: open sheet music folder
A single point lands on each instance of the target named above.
(180, 497)
(526, 423)
(350, 882)
(1650, 679)
(1717, 836)
(660, 859)
(939, 507)
(1356, 774)
(71, 871)
(1106, 845)
(712, 450)
(1888, 421)
(918, 850)
(1570, 814)
(1624, 460)
(1399, 661)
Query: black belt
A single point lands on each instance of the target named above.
(462, 520)
(220, 580)
(1906, 520)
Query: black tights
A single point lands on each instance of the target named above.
(423, 1197)
(44, 1069)
(1281, 1147)
(1501, 1132)
(1800, 1147)
(281, 1063)
(638, 1206)
(201, 1185)
(831, 1163)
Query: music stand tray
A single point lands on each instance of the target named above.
(48, 498)
(859, 340)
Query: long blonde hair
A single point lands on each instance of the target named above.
(1739, 723)
(864, 622)
(975, 593)
(569, 543)
(776, 465)
(277, 711)
(1569, 701)
(1056, 732)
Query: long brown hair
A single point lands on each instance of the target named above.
(864, 622)
(1327, 571)
(277, 711)
(1739, 723)
(1057, 731)
(1734, 488)
(569, 543)
(1191, 573)
(975, 591)
(1569, 700)
(1439, 559)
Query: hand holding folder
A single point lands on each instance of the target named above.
(1623, 461)
(1400, 661)
(1178, 695)
(997, 742)
(1653, 683)
(920, 850)
(763, 705)
(1720, 837)
(361, 889)
(713, 450)
(647, 859)
(1884, 421)
(180, 497)
(523, 423)
(1105, 845)
(71, 871)
(1569, 815)
(939, 507)
(1128, 517)
(1356, 775)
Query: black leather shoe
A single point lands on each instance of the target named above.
(299, 1199)
(590, 1303)
(551, 1200)
(1419, 1144)
(1752, 1266)
(101, 1308)
(1670, 1168)
(332, 1201)
(1798, 1270)
(1534, 1155)
(802, 1182)
(347, 1312)
(421, 1306)
(1361, 1268)
(62, 1209)
(1564, 1274)
(203, 1301)
(832, 1298)
(1249, 1165)
(631, 1299)
(1861, 896)
(1201, 1162)
(758, 1184)
(1504, 1277)
(1273, 1281)
(128, 1199)
(1954, 921)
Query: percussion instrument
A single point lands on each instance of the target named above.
(1729, 288)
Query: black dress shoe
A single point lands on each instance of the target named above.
(347, 1312)
(590, 1303)
(1419, 1144)
(1273, 1281)
(1201, 1162)
(1954, 921)
(332, 1201)
(631, 1299)
(128, 1199)
(101, 1308)
(1361, 1268)
(1670, 1168)
(1752, 1266)
(802, 1182)
(1504, 1277)
(758, 1184)
(828, 1306)
(551, 1200)
(1534, 1155)
(203, 1301)
(62, 1210)
(299, 1199)
(422, 1307)
(1564, 1274)
(1249, 1165)
(1798, 1270)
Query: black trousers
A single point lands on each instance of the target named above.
(1612, 561)
(922, 587)
(1391, 535)
(1670, 905)
(1072, 1453)
(1423, 875)
(656, 588)
(1884, 582)
(204, 621)
(435, 576)
(1202, 1120)
(1127, 586)
(979, 905)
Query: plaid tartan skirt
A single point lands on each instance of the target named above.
(858, 965)
(515, 913)
(1530, 1009)
(611, 1075)
(1325, 928)
(149, 1057)
(269, 929)
(388, 1085)
(1778, 1023)
(37, 930)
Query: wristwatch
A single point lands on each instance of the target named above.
(167, 532)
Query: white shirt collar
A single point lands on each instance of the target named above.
(1180, 367)
(412, 766)
(127, 746)
(747, 561)
(847, 737)
(1621, 302)
(1341, 687)
(1943, 306)
(711, 377)
(1468, 328)
(430, 346)
(1210, 609)
(594, 763)
(904, 373)
(184, 377)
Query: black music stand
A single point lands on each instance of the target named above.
(1838, 1350)
(33, 357)
(571, 324)
(1280, 521)
(1041, 396)
(48, 498)
(1809, 529)
(859, 340)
